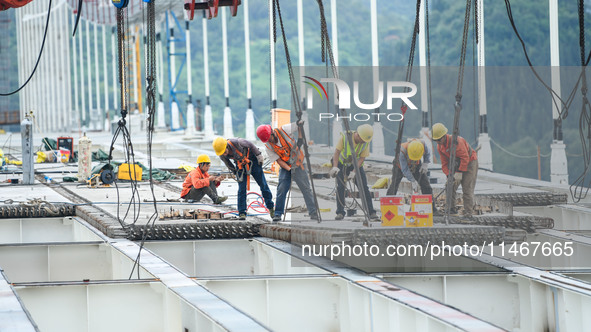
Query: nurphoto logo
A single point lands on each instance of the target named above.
(394, 90)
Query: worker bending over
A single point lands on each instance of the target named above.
(413, 163)
(248, 160)
(199, 183)
(342, 165)
(281, 147)
(466, 166)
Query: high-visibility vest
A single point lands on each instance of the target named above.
(346, 158)
(288, 151)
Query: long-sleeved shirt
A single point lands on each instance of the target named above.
(244, 147)
(464, 153)
(195, 179)
(404, 161)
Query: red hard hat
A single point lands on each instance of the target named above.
(264, 133)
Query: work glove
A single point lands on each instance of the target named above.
(424, 168)
(261, 159)
(333, 172)
(415, 186)
(351, 175)
(300, 123)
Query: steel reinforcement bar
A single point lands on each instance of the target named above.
(528, 199)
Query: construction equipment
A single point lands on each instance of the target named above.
(66, 143)
(101, 175)
(127, 172)
(211, 7)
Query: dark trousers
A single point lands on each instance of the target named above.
(344, 171)
(423, 181)
(197, 194)
(300, 177)
(257, 173)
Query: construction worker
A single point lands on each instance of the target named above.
(281, 147)
(248, 160)
(199, 183)
(342, 166)
(466, 166)
(413, 163)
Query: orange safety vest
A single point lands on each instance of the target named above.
(286, 151)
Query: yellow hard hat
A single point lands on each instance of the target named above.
(365, 131)
(219, 145)
(415, 150)
(439, 130)
(1, 153)
(203, 158)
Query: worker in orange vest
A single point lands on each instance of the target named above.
(281, 147)
(199, 183)
(466, 166)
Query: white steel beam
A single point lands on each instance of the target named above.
(228, 128)
(227, 316)
(249, 122)
(229, 258)
(89, 71)
(82, 84)
(558, 162)
(105, 113)
(207, 116)
(13, 317)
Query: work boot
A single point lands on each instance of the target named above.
(374, 217)
(242, 216)
(272, 212)
(314, 216)
(339, 216)
(276, 218)
(220, 199)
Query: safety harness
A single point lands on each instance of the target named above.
(345, 157)
(242, 162)
(292, 156)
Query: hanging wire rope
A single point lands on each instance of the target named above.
(301, 141)
(449, 187)
(578, 189)
(38, 57)
(564, 105)
(347, 130)
(391, 190)
(151, 90)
